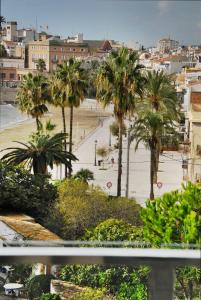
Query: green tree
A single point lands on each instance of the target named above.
(39, 153)
(2, 21)
(73, 85)
(3, 52)
(32, 96)
(38, 285)
(84, 175)
(160, 95)
(149, 128)
(175, 218)
(20, 273)
(15, 196)
(81, 206)
(59, 99)
(41, 65)
(118, 82)
(102, 152)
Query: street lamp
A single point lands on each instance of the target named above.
(110, 136)
(95, 152)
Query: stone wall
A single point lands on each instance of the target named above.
(8, 95)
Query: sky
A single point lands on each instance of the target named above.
(127, 21)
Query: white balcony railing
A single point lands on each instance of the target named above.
(162, 261)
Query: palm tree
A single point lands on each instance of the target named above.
(41, 65)
(39, 153)
(149, 128)
(118, 82)
(32, 96)
(73, 86)
(2, 21)
(60, 100)
(160, 96)
(84, 175)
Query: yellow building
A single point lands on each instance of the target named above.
(54, 51)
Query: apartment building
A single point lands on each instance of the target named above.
(9, 67)
(194, 132)
(166, 44)
(54, 51)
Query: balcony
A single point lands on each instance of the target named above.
(161, 261)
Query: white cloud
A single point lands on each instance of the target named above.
(164, 6)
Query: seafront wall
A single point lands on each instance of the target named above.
(7, 95)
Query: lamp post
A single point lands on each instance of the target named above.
(95, 152)
(110, 136)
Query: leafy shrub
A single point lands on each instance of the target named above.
(24, 192)
(48, 296)
(114, 230)
(174, 217)
(38, 285)
(80, 207)
(91, 294)
(20, 273)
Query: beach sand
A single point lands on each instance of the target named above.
(86, 119)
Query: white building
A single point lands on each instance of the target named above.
(11, 31)
(17, 63)
(166, 44)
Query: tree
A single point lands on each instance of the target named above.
(149, 128)
(32, 96)
(59, 99)
(160, 95)
(174, 218)
(41, 65)
(118, 82)
(2, 21)
(103, 152)
(23, 192)
(72, 78)
(3, 52)
(39, 153)
(38, 285)
(48, 296)
(81, 206)
(84, 175)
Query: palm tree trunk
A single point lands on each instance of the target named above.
(65, 142)
(37, 123)
(120, 158)
(71, 136)
(152, 167)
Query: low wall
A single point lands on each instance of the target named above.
(8, 95)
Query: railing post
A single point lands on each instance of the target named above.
(161, 282)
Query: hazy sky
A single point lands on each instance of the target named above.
(127, 21)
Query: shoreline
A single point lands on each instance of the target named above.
(87, 118)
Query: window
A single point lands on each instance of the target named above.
(12, 75)
(2, 75)
(74, 50)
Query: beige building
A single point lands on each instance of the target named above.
(194, 131)
(166, 44)
(54, 52)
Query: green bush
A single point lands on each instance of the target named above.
(80, 207)
(38, 285)
(91, 294)
(114, 230)
(20, 273)
(48, 296)
(24, 192)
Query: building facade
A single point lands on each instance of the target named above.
(166, 44)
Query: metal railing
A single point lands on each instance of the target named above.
(162, 261)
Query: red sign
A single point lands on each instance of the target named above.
(109, 184)
(159, 185)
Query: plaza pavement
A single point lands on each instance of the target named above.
(170, 168)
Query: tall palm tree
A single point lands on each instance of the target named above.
(32, 96)
(39, 153)
(59, 99)
(118, 82)
(2, 21)
(72, 82)
(160, 96)
(149, 128)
